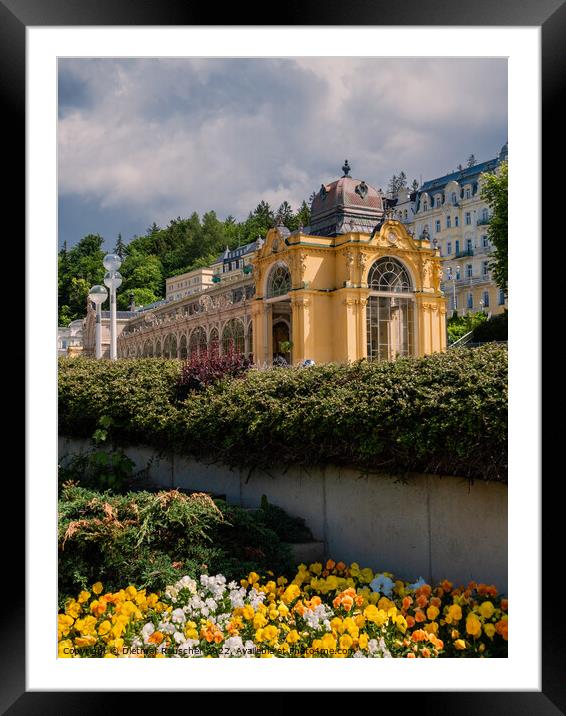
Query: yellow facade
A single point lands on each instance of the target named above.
(348, 297)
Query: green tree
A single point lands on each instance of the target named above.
(284, 214)
(494, 193)
(304, 214)
(397, 182)
(415, 185)
(79, 269)
(120, 247)
(141, 296)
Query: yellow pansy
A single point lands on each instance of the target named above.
(432, 613)
(355, 569)
(489, 629)
(97, 588)
(293, 636)
(486, 610)
(291, 593)
(454, 612)
(259, 621)
(248, 612)
(473, 625)
(282, 609)
(104, 627)
(328, 642)
(270, 632)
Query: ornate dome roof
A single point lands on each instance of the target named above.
(345, 205)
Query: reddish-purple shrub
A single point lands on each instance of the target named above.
(205, 367)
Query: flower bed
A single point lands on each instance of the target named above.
(326, 611)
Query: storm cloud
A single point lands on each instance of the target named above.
(143, 140)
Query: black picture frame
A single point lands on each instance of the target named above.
(15, 16)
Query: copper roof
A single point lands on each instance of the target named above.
(344, 205)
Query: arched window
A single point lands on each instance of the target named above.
(279, 281)
(388, 274)
(213, 340)
(147, 349)
(233, 335)
(197, 342)
(183, 347)
(389, 319)
(170, 346)
(157, 351)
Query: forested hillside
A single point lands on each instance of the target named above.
(161, 252)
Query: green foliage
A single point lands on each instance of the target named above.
(78, 270)
(494, 192)
(98, 469)
(445, 413)
(150, 539)
(458, 326)
(183, 245)
(287, 528)
(493, 330)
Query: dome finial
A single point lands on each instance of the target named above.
(346, 168)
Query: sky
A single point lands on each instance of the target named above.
(148, 140)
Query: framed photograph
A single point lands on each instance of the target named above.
(301, 207)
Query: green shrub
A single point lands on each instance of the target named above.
(458, 326)
(493, 330)
(444, 414)
(150, 539)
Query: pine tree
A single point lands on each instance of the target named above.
(284, 214)
(120, 247)
(397, 182)
(415, 185)
(304, 214)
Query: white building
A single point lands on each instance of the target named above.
(451, 211)
(188, 283)
(70, 338)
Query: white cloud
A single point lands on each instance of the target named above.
(162, 138)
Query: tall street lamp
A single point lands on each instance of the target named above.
(98, 294)
(452, 275)
(112, 279)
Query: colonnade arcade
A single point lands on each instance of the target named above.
(182, 335)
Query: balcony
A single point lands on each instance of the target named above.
(483, 221)
(464, 253)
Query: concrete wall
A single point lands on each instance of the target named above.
(429, 526)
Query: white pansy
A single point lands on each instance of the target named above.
(147, 631)
(419, 583)
(178, 616)
(172, 593)
(187, 583)
(382, 584)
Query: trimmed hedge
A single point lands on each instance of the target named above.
(443, 414)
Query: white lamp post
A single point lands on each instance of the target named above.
(451, 276)
(112, 279)
(98, 294)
